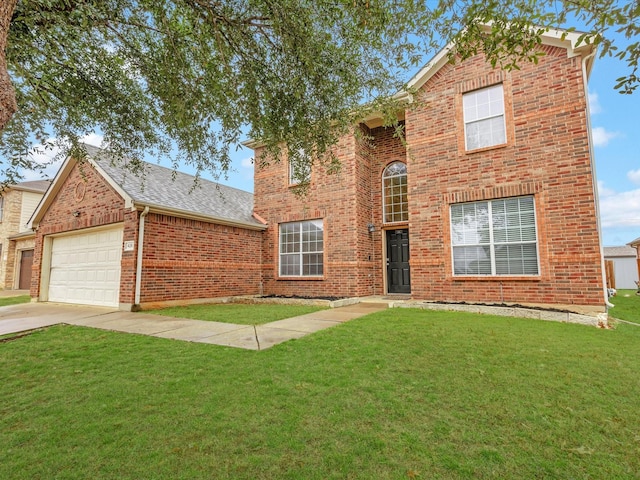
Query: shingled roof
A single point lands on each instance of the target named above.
(623, 251)
(164, 188)
(165, 191)
(36, 186)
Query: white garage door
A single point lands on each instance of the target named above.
(85, 268)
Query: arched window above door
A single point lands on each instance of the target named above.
(394, 193)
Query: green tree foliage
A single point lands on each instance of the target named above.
(196, 76)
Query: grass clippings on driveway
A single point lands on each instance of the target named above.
(4, 301)
(397, 394)
(239, 313)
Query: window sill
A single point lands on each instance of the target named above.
(298, 184)
(304, 279)
(391, 225)
(497, 278)
(486, 149)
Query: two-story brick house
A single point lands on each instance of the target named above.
(489, 198)
(17, 241)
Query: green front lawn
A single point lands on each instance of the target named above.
(243, 314)
(14, 300)
(627, 306)
(398, 394)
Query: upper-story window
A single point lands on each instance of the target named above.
(496, 237)
(1, 208)
(484, 124)
(299, 169)
(394, 191)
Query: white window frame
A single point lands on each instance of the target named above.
(489, 113)
(295, 250)
(397, 209)
(493, 244)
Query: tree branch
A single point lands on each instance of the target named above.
(8, 103)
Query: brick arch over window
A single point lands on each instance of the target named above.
(394, 193)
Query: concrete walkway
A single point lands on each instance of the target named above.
(29, 316)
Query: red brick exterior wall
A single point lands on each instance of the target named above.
(342, 201)
(98, 204)
(189, 259)
(347, 202)
(546, 155)
(182, 259)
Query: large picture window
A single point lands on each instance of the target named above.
(495, 237)
(301, 249)
(394, 186)
(484, 117)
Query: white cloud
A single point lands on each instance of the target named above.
(603, 191)
(44, 156)
(634, 176)
(93, 139)
(619, 209)
(594, 103)
(247, 162)
(601, 136)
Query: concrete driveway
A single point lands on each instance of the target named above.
(29, 316)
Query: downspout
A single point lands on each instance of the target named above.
(139, 260)
(595, 181)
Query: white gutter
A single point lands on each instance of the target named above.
(139, 261)
(175, 212)
(595, 181)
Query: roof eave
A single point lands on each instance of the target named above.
(26, 189)
(558, 38)
(175, 212)
(22, 235)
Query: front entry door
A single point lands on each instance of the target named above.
(26, 262)
(398, 278)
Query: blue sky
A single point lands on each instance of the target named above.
(615, 120)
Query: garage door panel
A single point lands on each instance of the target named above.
(85, 268)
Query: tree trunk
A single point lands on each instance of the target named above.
(8, 104)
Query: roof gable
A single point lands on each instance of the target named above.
(557, 38)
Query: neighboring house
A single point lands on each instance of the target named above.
(636, 245)
(490, 198)
(17, 203)
(625, 265)
(107, 237)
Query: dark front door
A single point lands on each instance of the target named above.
(398, 278)
(26, 262)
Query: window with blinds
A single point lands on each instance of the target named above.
(497, 237)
